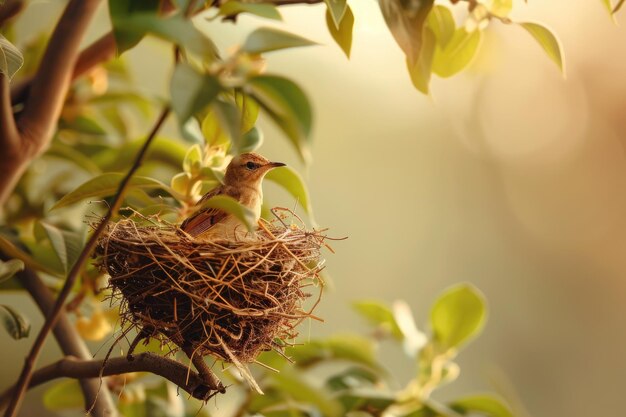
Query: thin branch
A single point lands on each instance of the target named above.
(97, 397)
(51, 320)
(70, 367)
(9, 136)
(52, 81)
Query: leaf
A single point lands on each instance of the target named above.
(375, 403)
(458, 315)
(63, 395)
(379, 314)
(16, 324)
(337, 10)
(342, 34)
(10, 249)
(501, 8)
(106, 185)
(457, 54)
(349, 347)
(9, 268)
(547, 41)
(181, 183)
(193, 160)
(232, 206)
(405, 20)
(421, 71)
(120, 10)
(191, 91)
(484, 404)
(249, 142)
(270, 39)
(294, 386)
(175, 29)
(11, 59)
(288, 106)
(249, 110)
(291, 181)
(441, 22)
(233, 8)
(67, 245)
(214, 134)
(351, 378)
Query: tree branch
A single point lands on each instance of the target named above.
(52, 81)
(70, 367)
(9, 135)
(9, 10)
(52, 318)
(97, 397)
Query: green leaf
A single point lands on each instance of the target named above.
(458, 315)
(249, 142)
(405, 20)
(229, 119)
(9, 268)
(349, 347)
(375, 403)
(10, 249)
(249, 110)
(379, 314)
(181, 183)
(16, 324)
(484, 404)
(294, 386)
(232, 206)
(352, 378)
(106, 185)
(214, 134)
(337, 10)
(176, 29)
(11, 59)
(191, 91)
(63, 395)
(270, 39)
(291, 181)
(120, 10)
(441, 22)
(67, 245)
(547, 41)
(288, 106)
(193, 160)
(421, 71)
(457, 54)
(342, 34)
(233, 8)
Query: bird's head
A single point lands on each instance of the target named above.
(248, 168)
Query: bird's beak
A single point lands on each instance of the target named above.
(275, 164)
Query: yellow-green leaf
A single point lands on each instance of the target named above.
(457, 315)
(337, 10)
(286, 103)
(249, 110)
(457, 54)
(420, 72)
(548, 41)
(106, 185)
(9, 268)
(501, 8)
(232, 206)
(379, 314)
(342, 34)
(63, 395)
(14, 322)
(191, 91)
(270, 39)
(233, 8)
(193, 160)
(484, 404)
(441, 22)
(291, 181)
(67, 245)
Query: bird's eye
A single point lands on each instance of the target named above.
(251, 165)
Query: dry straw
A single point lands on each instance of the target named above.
(230, 299)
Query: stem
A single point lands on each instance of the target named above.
(97, 398)
(70, 367)
(51, 320)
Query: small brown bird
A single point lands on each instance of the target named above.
(242, 182)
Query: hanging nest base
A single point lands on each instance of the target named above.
(229, 299)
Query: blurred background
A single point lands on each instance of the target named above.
(508, 176)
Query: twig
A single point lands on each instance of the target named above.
(31, 359)
(9, 9)
(70, 367)
(70, 342)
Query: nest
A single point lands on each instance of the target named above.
(228, 299)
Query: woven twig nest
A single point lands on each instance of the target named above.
(229, 299)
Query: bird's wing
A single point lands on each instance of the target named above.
(204, 219)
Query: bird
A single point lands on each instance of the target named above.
(242, 181)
